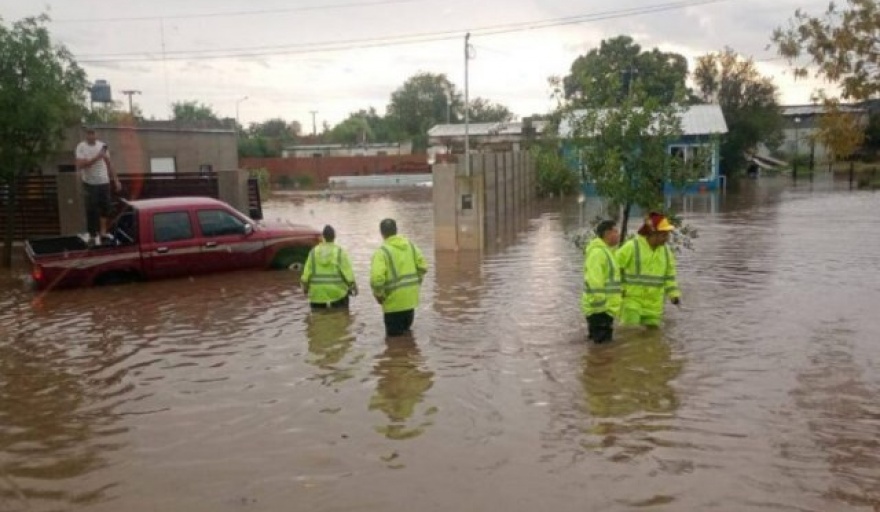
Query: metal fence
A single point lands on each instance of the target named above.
(36, 207)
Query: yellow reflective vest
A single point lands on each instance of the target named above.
(602, 287)
(328, 274)
(649, 277)
(396, 274)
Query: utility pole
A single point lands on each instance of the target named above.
(314, 125)
(467, 140)
(237, 103)
(130, 93)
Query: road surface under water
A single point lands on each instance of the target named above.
(224, 393)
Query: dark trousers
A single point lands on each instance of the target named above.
(98, 204)
(339, 304)
(399, 323)
(600, 327)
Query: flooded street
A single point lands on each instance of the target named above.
(223, 393)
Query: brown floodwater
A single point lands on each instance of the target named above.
(223, 393)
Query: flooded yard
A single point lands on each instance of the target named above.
(225, 393)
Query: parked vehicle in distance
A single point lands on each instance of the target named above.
(166, 238)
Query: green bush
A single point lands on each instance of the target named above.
(555, 177)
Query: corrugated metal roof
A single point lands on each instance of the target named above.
(483, 129)
(695, 120)
(813, 110)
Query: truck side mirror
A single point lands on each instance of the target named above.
(248, 229)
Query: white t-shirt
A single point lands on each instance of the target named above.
(96, 174)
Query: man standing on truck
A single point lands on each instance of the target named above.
(97, 173)
(328, 278)
(396, 274)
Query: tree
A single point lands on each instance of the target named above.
(624, 151)
(267, 139)
(842, 45)
(276, 128)
(41, 94)
(841, 132)
(353, 130)
(112, 113)
(256, 147)
(747, 99)
(193, 112)
(485, 111)
(423, 101)
(605, 76)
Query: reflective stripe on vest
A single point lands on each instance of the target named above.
(612, 285)
(649, 281)
(328, 278)
(396, 282)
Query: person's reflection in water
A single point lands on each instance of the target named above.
(628, 391)
(402, 384)
(330, 339)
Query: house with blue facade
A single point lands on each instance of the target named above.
(702, 127)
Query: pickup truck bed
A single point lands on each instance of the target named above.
(58, 245)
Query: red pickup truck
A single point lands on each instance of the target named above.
(171, 237)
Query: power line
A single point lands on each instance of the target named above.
(330, 46)
(230, 14)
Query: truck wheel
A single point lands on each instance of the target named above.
(292, 258)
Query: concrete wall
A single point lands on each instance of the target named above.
(232, 188)
(488, 207)
(132, 147)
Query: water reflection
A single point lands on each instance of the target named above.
(628, 390)
(60, 400)
(330, 339)
(403, 381)
(840, 407)
(459, 286)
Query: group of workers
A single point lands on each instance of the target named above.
(396, 273)
(630, 283)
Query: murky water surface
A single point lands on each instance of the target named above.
(224, 393)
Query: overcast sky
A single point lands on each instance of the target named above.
(274, 51)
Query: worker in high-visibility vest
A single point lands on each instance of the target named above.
(396, 273)
(600, 301)
(327, 277)
(649, 275)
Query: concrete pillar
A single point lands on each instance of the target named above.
(470, 207)
(71, 205)
(445, 213)
(232, 187)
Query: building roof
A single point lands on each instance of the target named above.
(695, 120)
(814, 110)
(484, 129)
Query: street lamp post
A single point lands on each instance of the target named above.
(797, 123)
(467, 119)
(237, 103)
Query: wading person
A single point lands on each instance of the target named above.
(97, 174)
(648, 271)
(601, 299)
(327, 277)
(396, 274)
